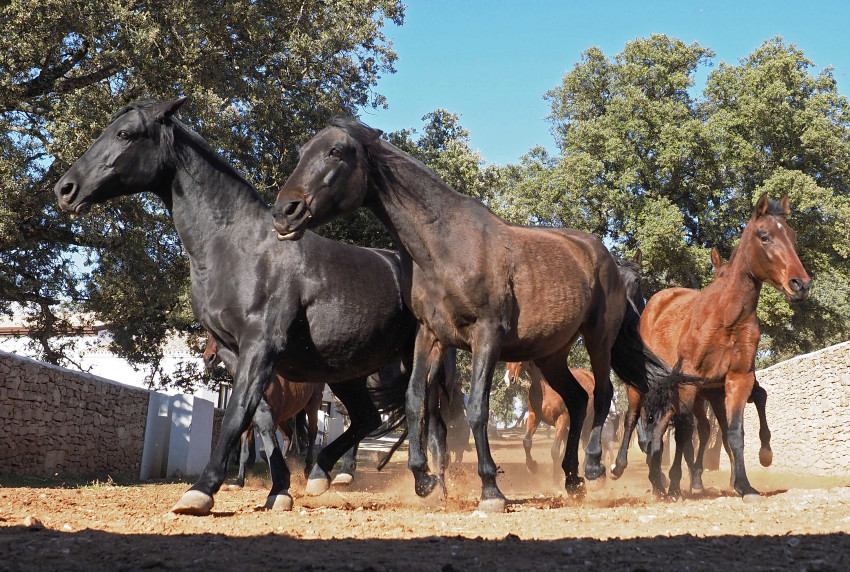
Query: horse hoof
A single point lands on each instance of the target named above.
(765, 457)
(616, 471)
(425, 485)
(575, 487)
(195, 503)
(280, 502)
(697, 490)
(597, 484)
(342, 479)
(752, 498)
(316, 486)
(236, 487)
(532, 467)
(493, 505)
(593, 472)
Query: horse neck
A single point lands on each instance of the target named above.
(207, 199)
(738, 287)
(422, 212)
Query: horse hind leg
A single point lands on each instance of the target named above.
(364, 419)
(759, 398)
(559, 377)
(279, 498)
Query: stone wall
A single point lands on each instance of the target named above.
(808, 410)
(58, 421)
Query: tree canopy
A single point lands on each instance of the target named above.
(646, 161)
(644, 158)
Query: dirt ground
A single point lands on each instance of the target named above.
(378, 523)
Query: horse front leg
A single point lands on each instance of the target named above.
(657, 427)
(630, 420)
(759, 398)
(535, 412)
(427, 353)
(364, 419)
(253, 371)
(738, 389)
(437, 428)
(485, 353)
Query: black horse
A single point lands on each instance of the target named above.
(314, 310)
(475, 282)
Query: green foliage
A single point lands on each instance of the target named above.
(261, 77)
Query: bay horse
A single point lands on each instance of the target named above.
(714, 333)
(315, 310)
(285, 401)
(502, 291)
(545, 405)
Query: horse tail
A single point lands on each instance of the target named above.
(388, 391)
(392, 450)
(638, 366)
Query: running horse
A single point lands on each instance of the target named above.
(545, 405)
(476, 282)
(282, 402)
(714, 333)
(313, 311)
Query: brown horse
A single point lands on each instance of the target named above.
(285, 401)
(544, 404)
(476, 282)
(758, 397)
(714, 334)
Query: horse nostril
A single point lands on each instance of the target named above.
(291, 208)
(68, 191)
(796, 284)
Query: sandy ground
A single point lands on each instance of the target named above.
(378, 523)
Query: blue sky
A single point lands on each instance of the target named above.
(492, 61)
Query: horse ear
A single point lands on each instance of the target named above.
(638, 259)
(786, 205)
(761, 205)
(716, 261)
(166, 109)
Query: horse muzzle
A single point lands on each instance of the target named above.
(799, 289)
(291, 218)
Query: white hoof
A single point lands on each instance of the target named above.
(316, 487)
(195, 503)
(492, 505)
(278, 502)
(752, 498)
(342, 479)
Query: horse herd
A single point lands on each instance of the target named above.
(281, 302)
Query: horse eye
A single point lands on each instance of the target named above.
(334, 152)
(123, 135)
(764, 237)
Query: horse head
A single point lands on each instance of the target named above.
(128, 157)
(513, 369)
(330, 180)
(211, 357)
(768, 243)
